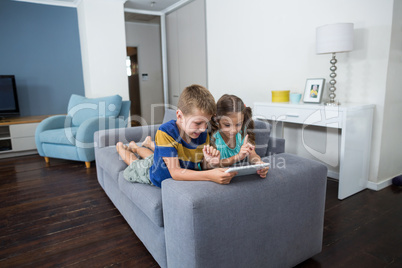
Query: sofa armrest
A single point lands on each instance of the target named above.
(276, 146)
(53, 122)
(105, 138)
(251, 222)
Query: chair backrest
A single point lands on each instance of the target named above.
(125, 109)
(81, 108)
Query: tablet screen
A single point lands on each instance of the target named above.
(246, 170)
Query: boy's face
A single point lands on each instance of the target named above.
(192, 124)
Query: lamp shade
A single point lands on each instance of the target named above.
(334, 38)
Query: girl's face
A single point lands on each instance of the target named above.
(230, 124)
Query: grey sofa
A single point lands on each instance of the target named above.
(252, 222)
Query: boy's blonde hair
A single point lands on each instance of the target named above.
(196, 96)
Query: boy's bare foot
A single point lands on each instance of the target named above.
(120, 146)
(148, 143)
(132, 146)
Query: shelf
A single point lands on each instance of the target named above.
(5, 145)
(4, 132)
(17, 135)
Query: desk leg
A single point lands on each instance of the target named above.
(277, 129)
(355, 152)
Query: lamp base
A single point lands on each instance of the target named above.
(332, 82)
(335, 103)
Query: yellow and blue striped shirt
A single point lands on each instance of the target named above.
(168, 143)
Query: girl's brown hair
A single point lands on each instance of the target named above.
(233, 104)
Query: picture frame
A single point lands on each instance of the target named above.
(313, 90)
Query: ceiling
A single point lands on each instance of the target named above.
(150, 5)
(154, 7)
(134, 17)
(146, 5)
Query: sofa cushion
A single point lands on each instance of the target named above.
(81, 108)
(110, 161)
(146, 197)
(59, 136)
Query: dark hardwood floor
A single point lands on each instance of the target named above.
(59, 216)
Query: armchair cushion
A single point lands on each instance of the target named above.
(59, 136)
(81, 108)
(148, 199)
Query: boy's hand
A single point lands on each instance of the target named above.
(245, 149)
(211, 155)
(262, 172)
(219, 175)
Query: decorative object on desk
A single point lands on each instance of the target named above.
(295, 98)
(313, 90)
(280, 95)
(334, 38)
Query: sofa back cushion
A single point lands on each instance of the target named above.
(170, 114)
(81, 108)
(262, 132)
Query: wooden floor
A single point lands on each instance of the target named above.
(59, 216)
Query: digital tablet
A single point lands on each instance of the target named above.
(246, 170)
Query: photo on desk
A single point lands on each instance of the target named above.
(313, 90)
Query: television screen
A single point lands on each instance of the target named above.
(8, 95)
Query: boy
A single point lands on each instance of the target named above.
(180, 145)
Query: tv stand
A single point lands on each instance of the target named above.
(17, 135)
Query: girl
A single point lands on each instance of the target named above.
(232, 133)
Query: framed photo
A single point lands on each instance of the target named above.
(313, 90)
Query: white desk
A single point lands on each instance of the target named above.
(355, 121)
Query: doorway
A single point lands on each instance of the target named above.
(133, 84)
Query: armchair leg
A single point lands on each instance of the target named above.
(47, 160)
(88, 164)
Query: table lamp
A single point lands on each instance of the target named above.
(334, 38)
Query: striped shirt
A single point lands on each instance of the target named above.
(168, 143)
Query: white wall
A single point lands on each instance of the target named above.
(261, 46)
(103, 47)
(186, 48)
(147, 38)
(391, 149)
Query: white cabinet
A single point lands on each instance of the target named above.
(355, 122)
(17, 136)
(23, 137)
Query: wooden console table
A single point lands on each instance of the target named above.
(355, 122)
(17, 135)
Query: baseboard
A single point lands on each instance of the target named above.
(333, 174)
(377, 186)
(6, 154)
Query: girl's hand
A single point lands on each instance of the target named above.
(219, 175)
(245, 149)
(211, 155)
(262, 172)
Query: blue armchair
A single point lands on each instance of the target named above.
(71, 136)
